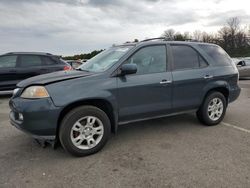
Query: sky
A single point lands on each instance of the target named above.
(68, 27)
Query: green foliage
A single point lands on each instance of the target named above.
(239, 52)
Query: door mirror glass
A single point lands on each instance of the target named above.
(128, 69)
(241, 64)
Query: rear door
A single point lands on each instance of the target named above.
(8, 76)
(148, 92)
(190, 75)
(29, 66)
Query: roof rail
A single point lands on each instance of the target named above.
(169, 39)
(157, 38)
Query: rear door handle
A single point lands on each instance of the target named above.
(166, 82)
(208, 77)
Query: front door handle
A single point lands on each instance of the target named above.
(166, 82)
(208, 77)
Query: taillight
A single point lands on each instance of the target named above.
(67, 68)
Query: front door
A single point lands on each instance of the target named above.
(148, 92)
(8, 76)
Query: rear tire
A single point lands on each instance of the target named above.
(213, 109)
(84, 130)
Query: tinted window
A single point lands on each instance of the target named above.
(8, 61)
(186, 57)
(49, 61)
(202, 62)
(217, 54)
(30, 61)
(150, 59)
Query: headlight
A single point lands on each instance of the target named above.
(35, 92)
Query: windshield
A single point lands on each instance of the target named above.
(105, 59)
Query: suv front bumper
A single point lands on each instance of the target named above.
(37, 117)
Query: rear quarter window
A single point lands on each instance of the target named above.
(49, 61)
(220, 57)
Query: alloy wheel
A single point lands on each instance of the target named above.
(215, 109)
(87, 132)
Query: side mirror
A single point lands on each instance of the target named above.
(128, 69)
(241, 64)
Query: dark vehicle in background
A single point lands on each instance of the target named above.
(123, 84)
(15, 67)
(243, 66)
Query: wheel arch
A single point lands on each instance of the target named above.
(222, 89)
(103, 104)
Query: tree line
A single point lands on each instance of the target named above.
(233, 37)
(83, 56)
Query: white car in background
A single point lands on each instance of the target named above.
(243, 65)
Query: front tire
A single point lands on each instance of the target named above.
(84, 130)
(213, 109)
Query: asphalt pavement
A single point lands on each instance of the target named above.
(169, 152)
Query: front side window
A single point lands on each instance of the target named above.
(8, 61)
(30, 61)
(185, 57)
(151, 59)
(104, 60)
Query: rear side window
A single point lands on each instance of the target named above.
(8, 61)
(219, 56)
(30, 61)
(185, 57)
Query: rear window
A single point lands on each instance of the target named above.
(219, 56)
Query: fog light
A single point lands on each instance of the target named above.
(20, 117)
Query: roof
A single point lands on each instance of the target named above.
(28, 53)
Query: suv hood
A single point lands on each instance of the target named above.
(53, 77)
